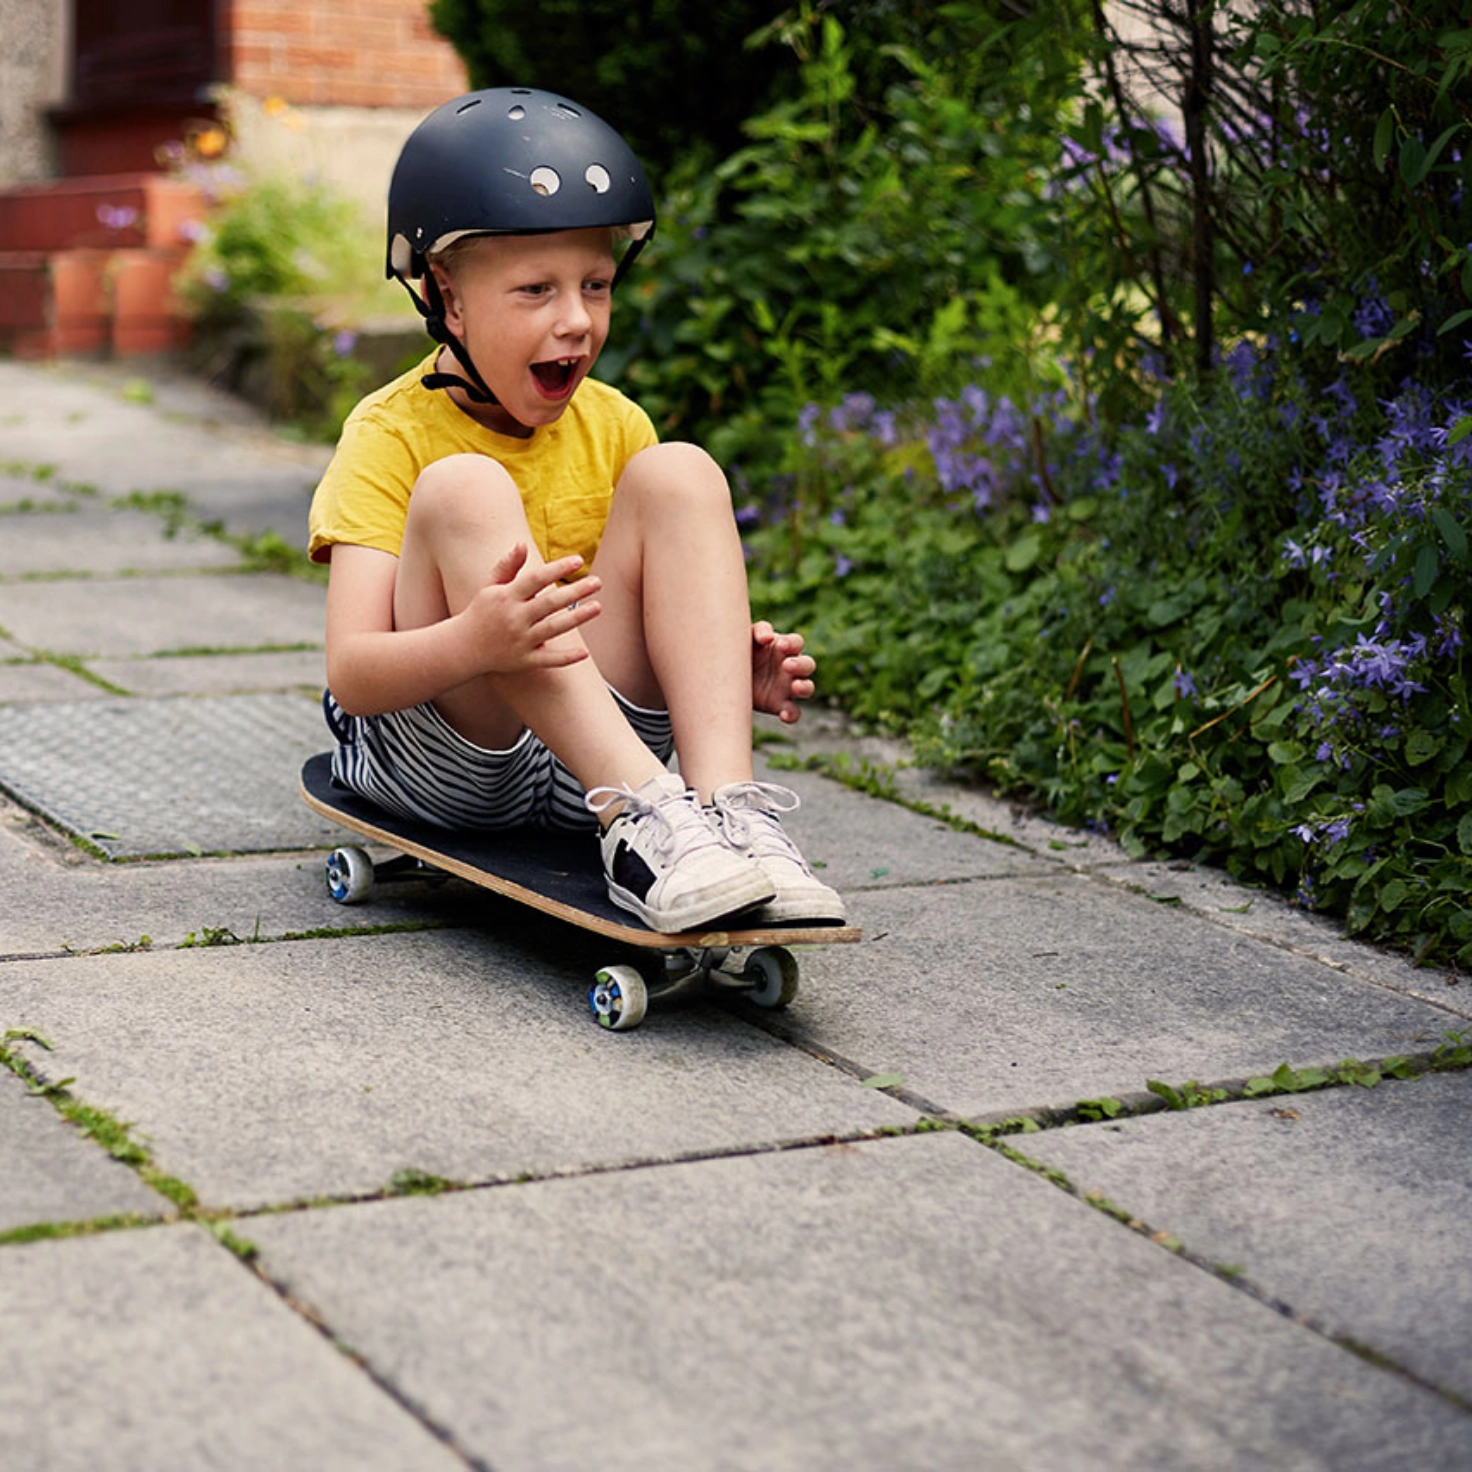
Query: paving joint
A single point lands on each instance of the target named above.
(1236, 1278)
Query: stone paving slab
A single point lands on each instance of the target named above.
(152, 1349)
(23, 493)
(53, 1173)
(216, 674)
(1007, 993)
(856, 842)
(103, 541)
(193, 440)
(91, 906)
(161, 615)
(1353, 1207)
(37, 681)
(1208, 892)
(827, 734)
(153, 777)
(271, 1073)
(1211, 894)
(903, 1303)
(55, 905)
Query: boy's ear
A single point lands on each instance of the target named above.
(451, 298)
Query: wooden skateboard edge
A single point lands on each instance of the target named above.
(634, 935)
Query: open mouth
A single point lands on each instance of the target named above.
(555, 378)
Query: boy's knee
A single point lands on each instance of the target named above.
(673, 457)
(460, 486)
(676, 469)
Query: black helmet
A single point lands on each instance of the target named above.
(507, 161)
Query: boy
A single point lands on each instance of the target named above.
(531, 603)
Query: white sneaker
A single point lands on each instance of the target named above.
(747, 816)
(664, 860)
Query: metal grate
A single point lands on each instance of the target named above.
(169, 777)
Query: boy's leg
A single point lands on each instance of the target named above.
(464, 516)
(675, 630)
(662, 856)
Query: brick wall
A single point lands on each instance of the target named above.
(341, 53)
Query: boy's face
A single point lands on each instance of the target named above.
(532, 311)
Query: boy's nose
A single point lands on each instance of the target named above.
(576, 320)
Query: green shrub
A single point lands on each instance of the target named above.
(1234, 632)
(282, 277)
(841, 250)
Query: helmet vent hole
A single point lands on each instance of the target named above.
(517, 113)
(474, 102)
(568, 111)
(598, 178)
(545, 181)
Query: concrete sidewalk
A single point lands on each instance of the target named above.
(292, 1186)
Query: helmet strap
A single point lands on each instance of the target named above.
(432, 308)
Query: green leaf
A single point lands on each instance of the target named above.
(883, 1081)
(1023, 553)
(1450, 529)
(1384, 137)
(1407, 801)
(1421, 746)
(1463, 427)
(1428, 563)
(1298, 782)
(1413, 161)
(1464, 833)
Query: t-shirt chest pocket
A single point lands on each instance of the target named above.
(564, 525)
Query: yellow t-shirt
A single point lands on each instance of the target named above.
(566, 472)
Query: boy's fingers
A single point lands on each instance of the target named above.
(564, 621)
(532, 577)
(508, 565)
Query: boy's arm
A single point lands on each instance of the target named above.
(509, 626)
(781, 674)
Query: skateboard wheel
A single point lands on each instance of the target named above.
(618, 998)
(772, 971)
(349, 875)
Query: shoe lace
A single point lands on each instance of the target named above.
(669, 816)
(749, 815)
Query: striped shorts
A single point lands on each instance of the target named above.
(414, 763)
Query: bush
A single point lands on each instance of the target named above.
(1235, 632)
(281, 277)
(668, 74)
(842, 248)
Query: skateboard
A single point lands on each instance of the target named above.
(560, 875)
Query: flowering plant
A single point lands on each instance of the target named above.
(1232, 630)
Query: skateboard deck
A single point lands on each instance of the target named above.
(560, 875)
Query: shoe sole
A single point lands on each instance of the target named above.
(695, 913)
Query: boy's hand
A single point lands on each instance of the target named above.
(517, 620)
(781, 674)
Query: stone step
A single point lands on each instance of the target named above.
(90, 302)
